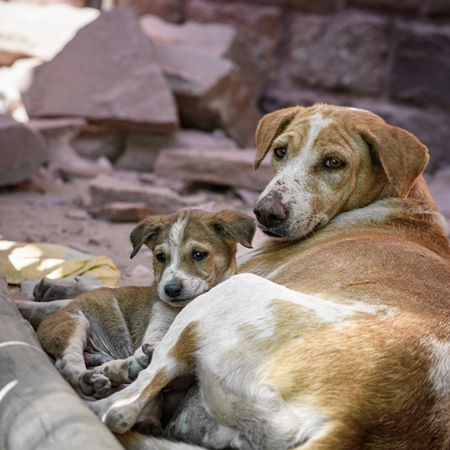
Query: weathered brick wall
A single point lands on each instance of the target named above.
(389, 56)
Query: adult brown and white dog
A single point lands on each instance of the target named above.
(339, 337)
(193, 250)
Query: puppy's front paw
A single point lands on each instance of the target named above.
(94, 385)
(137, 364)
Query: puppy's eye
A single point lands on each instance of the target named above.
(161, 257)
(198, 255)
(280, 152)
(334, 163)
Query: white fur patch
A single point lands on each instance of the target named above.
(119, 404)
(378, 211)
(162, 318)
(440, 368)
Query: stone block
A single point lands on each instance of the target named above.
(259, 35)
(218, 40)
(435, 7)
(22, 151)
(421, 66)
(109, 189)
(142, 148)
(342, 52)
(314, 6)
(93, 145)
(170, 10)
(108, 75)
(210, 92)
(40, 30)
(223, 167)
(399, 5)
(122, 212)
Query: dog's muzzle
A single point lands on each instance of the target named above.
(270, 211)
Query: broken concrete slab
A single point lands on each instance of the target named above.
(107, 74)
(233, 167)
(210, 92)
(58, 134)
(216, 39)
(122, 212)
(22, 151)
(142, 148)
(107, 189)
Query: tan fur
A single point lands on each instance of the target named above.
(344, 343)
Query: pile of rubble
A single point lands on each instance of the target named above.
(93, 95)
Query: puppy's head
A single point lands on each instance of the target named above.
(193, 250)
(329, 160)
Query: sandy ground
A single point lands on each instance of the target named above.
(59, 216)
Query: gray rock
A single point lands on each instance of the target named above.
(224, 167)
(210, 92)
(349, 50)
(22, 151)
(142, 149)
(108, 75)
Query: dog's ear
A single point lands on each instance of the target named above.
(271, 126)
(146, 232)
(235, 226)
(402, 156)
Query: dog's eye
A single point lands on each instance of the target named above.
(334, 163)
(280, 152)
(161, 257)
(198, 255)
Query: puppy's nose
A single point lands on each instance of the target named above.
(173, 290)
(270, 211)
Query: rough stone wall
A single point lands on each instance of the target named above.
(389, 56)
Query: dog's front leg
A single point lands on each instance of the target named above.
(174, 357)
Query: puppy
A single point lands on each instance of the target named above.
(193, 251)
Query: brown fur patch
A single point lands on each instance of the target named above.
(184, 350)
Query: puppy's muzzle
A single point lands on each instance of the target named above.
(270, 211)
(173, 290)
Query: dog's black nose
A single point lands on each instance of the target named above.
(173, 290)
(270, 212)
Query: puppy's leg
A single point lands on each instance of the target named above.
(48, 290)
(64, 335)
(175, 356)
(126, 370)
(36, 312)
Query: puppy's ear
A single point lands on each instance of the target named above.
(402, 156)
(235, 226)
(271, 126)
(146, 232)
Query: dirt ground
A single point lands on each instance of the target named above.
(53, 211)
(59, 216)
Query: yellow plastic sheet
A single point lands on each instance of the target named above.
(23, 261)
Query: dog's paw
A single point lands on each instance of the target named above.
(137, 364)
(148, 349)
(95, 385)
(148, 426)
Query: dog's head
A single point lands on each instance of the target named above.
(329, 160)
(193, 250)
